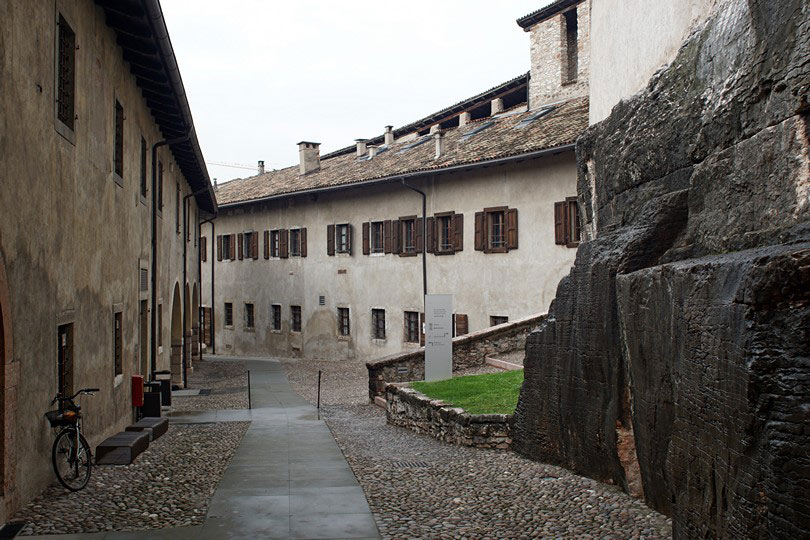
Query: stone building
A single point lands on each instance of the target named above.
(103, 186)
(323, 259)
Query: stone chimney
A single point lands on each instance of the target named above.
(361, 147)
(310, 157)
(261, 166)
(496, 107)
(372, 151)
(435, 128)
(215, 185)
(389, 135)
(439, 138)
(464, 118)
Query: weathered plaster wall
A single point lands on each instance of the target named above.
(635, 38)
(674, 361)
(509, 284)
(72, 238)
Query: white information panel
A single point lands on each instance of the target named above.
(438, 337)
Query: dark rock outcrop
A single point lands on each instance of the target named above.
(675, 361)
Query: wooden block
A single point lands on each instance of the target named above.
(154, 426)
(122, 448)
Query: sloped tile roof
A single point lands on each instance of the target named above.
(506, 135)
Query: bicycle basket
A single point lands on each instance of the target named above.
(61, 418)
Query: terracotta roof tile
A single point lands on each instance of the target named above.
(510, 134)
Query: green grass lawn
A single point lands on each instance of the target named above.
(477, 394)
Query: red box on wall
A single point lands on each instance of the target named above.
(137, 390)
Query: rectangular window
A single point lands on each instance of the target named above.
(408, 235)
(412, 327)
(343, 321)
(445, 224)
(118, 151)
(177, 208)
(249, 322)
(377, 237)
(570, 52)
(378, 323)
(228, 314)
(496, 229)
(64, 360)
(342, 238)
(66, 83)
(567, 228)
(274, 243)
(159, 328)
(247, 244)
(143, 167)
(295, 242)
(275, 316)
(495, 320)
(118, 343)
(203, 248)
(295, 318)
(160, 185)
(226, 247)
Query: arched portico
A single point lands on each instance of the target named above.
(177, 337)
(195, 325)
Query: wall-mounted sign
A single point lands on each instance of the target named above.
(438, 337)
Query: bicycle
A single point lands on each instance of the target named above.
(71, 455)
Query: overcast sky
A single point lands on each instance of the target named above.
(264, 75)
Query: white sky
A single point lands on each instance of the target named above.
(263, 75)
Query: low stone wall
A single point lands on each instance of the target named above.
(469, 350)
(408, 408)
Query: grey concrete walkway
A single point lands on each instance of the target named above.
(287, 479)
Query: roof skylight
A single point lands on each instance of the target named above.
(477, 130)
(417, 142)
(536, 116)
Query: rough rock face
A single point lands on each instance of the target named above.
(675, 360)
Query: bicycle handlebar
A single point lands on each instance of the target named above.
(88, 391)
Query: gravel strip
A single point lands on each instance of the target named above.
(169, 485)
(342, 382)
(226, 380)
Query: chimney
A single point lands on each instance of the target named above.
(389, 135)
(497, 106)
(361, 147)
(439, 138)
(310, 157)
(372, 151)
(261, 166)
(215, 185)
(464, 118)
(435, 128)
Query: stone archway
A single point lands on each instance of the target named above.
(195, 325)
(186, 333)
(177, 337)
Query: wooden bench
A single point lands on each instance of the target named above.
(122, 448)
(154, 426)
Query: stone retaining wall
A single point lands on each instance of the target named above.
(411, 409)
(469, 350)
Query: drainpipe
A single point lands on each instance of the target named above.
(424, 236)
(185, 275)
(153, 318)
(213, 236)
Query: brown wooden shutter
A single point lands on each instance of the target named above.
(232, 254)
(387, 244)
(458, 232)
(395, 233)
(431, 235)
(559, 223)
(462, 327)
(330, 240)
(219, 247)
(366, 250)
(351, 237)
(254, 245)
(480, 230)
(512, 228)
(419, 235)
(284, 243)
(422, 329)
(304, 242)
(266, 244)
(240, 248)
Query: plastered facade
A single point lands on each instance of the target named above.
(509, 284)
(72, 238)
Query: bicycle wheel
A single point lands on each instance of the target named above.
(71, 462)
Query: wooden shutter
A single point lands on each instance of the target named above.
(417, 224)
(254, 245)
(480, 231)
(462, 327)
(395, 233)
(366, 250)
(387, 245)
(304, 242)
(266, 244)
(431, 235)
(240, 248)
(512, 228)
(350, 237)
(330, 240)
(422, 329)
(458, 232)
(284, 243)
(232, 254)
(219, 247)
(559, 223)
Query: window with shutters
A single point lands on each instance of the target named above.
(160, 186)
(228, 315)
(567, 228)
(249, 322)
(226, 247)
(275, 244)
(446, 233)
(407, 227)
(495, 320)
(342, 238)
(496, 230)
(247, 245)
(295, 242)
(295, 318)
(66, 75)
(412, 330)
(378, 323)
(118, 343)
(275, 317)
(143, 169)
(460, 324)
(118, 146)
(344, 329)
(377, 237)
(445, 226)
(177, 208)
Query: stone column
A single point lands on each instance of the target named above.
(189, 347)
(177, 362)
(195, 345)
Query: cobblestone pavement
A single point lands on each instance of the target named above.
(169, 485)
(227, 382)
(418, 487)
(342, 381)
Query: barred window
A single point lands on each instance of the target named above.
(275, 316)
(411, 327)
(249, 321)
(228, 314)
(343, 321)
(295, 313)
(66, 83)
(118, 150)
(378, 323)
